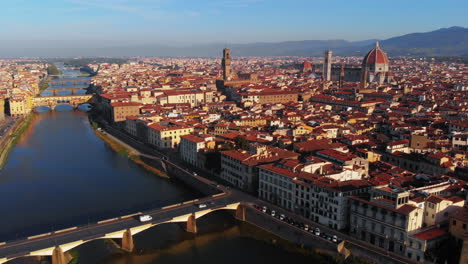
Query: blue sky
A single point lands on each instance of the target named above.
(222, 21)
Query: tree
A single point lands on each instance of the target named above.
(241, 143)
(52, 70)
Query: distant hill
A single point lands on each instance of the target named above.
(442, 42)
(451, 41)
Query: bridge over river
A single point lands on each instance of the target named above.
(53, 101)
(56, 243)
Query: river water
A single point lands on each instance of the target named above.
(60, 175)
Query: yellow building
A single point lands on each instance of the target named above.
(167, 134)
(437, 209)
(19, 106)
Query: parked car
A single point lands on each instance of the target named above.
(335, 239)
(273, 213)
(202, 205)
(282, 217)
(264, 209)
(317, 231)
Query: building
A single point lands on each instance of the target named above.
(239, 168)
(226, 64)
(375, 67)
(186, 96)
(269, 96)
(458, 227)
(190, 147)
(385, 219)
(314, 195)
(327, 65)
(18, 105)
(166, 134)
(120, 110)
(2, 108)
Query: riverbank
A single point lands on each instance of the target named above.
(10, 140)
(127, 151)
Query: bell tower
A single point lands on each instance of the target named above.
(226, 63)
(327, 65)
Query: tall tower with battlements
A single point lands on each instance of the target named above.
(327, 65)
(226, 63)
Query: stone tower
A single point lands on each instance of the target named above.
(327, 65)
(342, 76)
(226, 63)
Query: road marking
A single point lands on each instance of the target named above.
(130, 215)
(170, 206)
(41, 235)
(65, 230)
(108, 220)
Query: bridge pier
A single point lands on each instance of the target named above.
(127, 241)
(59, 257)
(240, 212)
(192, 224)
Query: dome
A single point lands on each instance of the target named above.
(306, 65)
(375, 56)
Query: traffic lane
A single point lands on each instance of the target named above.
(298, 218)
(280, 222)
(329, 231)
(288, 232)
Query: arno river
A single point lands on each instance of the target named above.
(61, 174)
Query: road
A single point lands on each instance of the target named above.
(97, 230)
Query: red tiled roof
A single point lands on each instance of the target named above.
(430, 234)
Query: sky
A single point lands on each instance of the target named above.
(186, 22)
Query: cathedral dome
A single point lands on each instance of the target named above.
(375, 56)
(306, 65)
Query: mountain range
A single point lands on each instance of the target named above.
(451, 41)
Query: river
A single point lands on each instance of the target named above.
(60, 175)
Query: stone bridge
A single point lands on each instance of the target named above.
(56, 243)
(53, 101)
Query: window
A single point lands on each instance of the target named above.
(454, 222)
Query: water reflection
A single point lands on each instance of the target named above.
(60, 174)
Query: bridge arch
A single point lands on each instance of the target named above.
(123, 234)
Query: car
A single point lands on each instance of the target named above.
(202, 205)
(145, 218)
(195, 174)
(335, 239)
(281, 217)
(306, 227)
(317, 231)
(273, 213)
(264, 209)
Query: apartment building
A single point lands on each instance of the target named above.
(239, 167)
(192, 145)
(291, 185)
(166, 134)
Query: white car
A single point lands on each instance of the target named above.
(202, 205)
(317, 231)
(334, 239)
(145, 218)
(273, 213)
(264, 209)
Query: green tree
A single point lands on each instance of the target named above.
(52, 70)
(241, 143)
